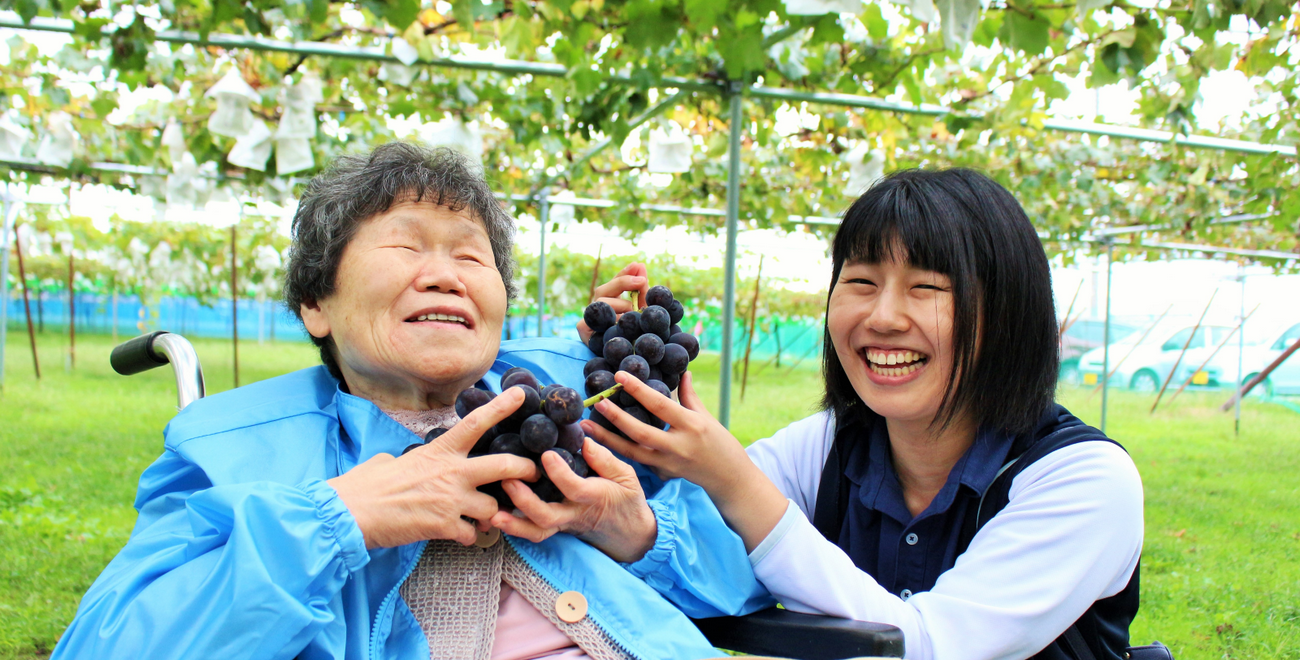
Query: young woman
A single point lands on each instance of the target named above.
(940, 489)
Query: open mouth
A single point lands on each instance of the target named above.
(440, 317)
(895, 363)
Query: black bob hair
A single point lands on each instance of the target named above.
(961, 224)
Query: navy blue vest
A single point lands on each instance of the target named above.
(841, 518)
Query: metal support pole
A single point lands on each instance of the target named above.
(1241, 348)
(5, 205)
(735, 128)
(544, 214)
(1105, 351)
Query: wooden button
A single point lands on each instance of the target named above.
(571, 606)
(488, 539)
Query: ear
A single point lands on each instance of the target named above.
(314, 318)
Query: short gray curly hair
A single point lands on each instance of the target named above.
(356, 188)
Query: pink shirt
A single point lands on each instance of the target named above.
(524, 634)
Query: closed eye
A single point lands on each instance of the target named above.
(931, 287)
(859, 280)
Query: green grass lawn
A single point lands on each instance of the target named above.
(1221, 569)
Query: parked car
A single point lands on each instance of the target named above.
(1144, 367)
(1222, 368)
(1083, 336)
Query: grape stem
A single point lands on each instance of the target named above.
(601, 396)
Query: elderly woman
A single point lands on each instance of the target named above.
(283, 519)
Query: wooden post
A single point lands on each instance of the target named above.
(1183, 352)
(1216, 352)
(753, 316)
(72, 313)
(234, 301)
(1068, 310)
(595, 275)
(27, 306)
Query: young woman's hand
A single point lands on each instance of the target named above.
(698, 448)
(633, 277)
(430, 492)
(607, 510)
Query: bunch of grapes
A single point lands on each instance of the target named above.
(547, 420)
(647, 344)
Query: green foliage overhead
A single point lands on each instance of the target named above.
(1000, 68)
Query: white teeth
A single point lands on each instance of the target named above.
(893, 358)
(441, 317)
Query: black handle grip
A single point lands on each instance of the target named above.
(136, 355)
(786, 634)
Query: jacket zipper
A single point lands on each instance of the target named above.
(387, 604)
(604, 633)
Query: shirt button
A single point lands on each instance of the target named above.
(488, 539)
(905, 594)
(912, 538)
(571, 607)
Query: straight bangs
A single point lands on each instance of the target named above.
(961, 224)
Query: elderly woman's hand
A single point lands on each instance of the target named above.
(428, 492)
(633, 277)
(609, 511)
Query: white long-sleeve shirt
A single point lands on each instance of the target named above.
(1070, 535)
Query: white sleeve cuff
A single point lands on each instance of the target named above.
(788, 520)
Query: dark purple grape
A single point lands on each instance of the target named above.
(603, 422)
(676, 360)
(409, 447)
(635, 365)
(672, 381)
(617, 349)
(498, 493)
(519, 376)
(655, 320)
(659, 295)
(655, 373)
(598, 382)
(546, 490)
(569, 459)
(593, 365)
(539, 433)
(472, 399)
(624, 400)
(642, 415)
(434, 434)
(595, 343)
(531, 406)
(484, 443)
(674, 329)
(579, 466)
(510, 443)
(630, 324)
(660, 387)
(563, 405)
(650, 347)
(612, 332)
(676, 311)
(570, 437)
(599, 316)
(688, 342)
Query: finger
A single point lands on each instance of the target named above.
(575, 488)
(638, 269)
(479, 506)
(620, 284)
(623, 446)
(546, 516)
(466, 432)
(620, 305)
(496, 467)
(464, 533)
(605, 464)
(584, 332)
(686, 394)
(521, 527)
(657, 404)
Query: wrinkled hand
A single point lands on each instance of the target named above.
(632, 278)
(697, 448)
(609, 511)
(429, 492)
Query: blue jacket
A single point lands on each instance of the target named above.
(241, 550)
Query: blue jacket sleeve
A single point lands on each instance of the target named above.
(249, 570)
(697, 562)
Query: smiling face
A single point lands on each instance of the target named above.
(417, 313)
(892, 326)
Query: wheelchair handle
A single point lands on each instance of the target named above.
(156, 349)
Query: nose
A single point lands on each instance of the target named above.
(438, 273)
(889, 314)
